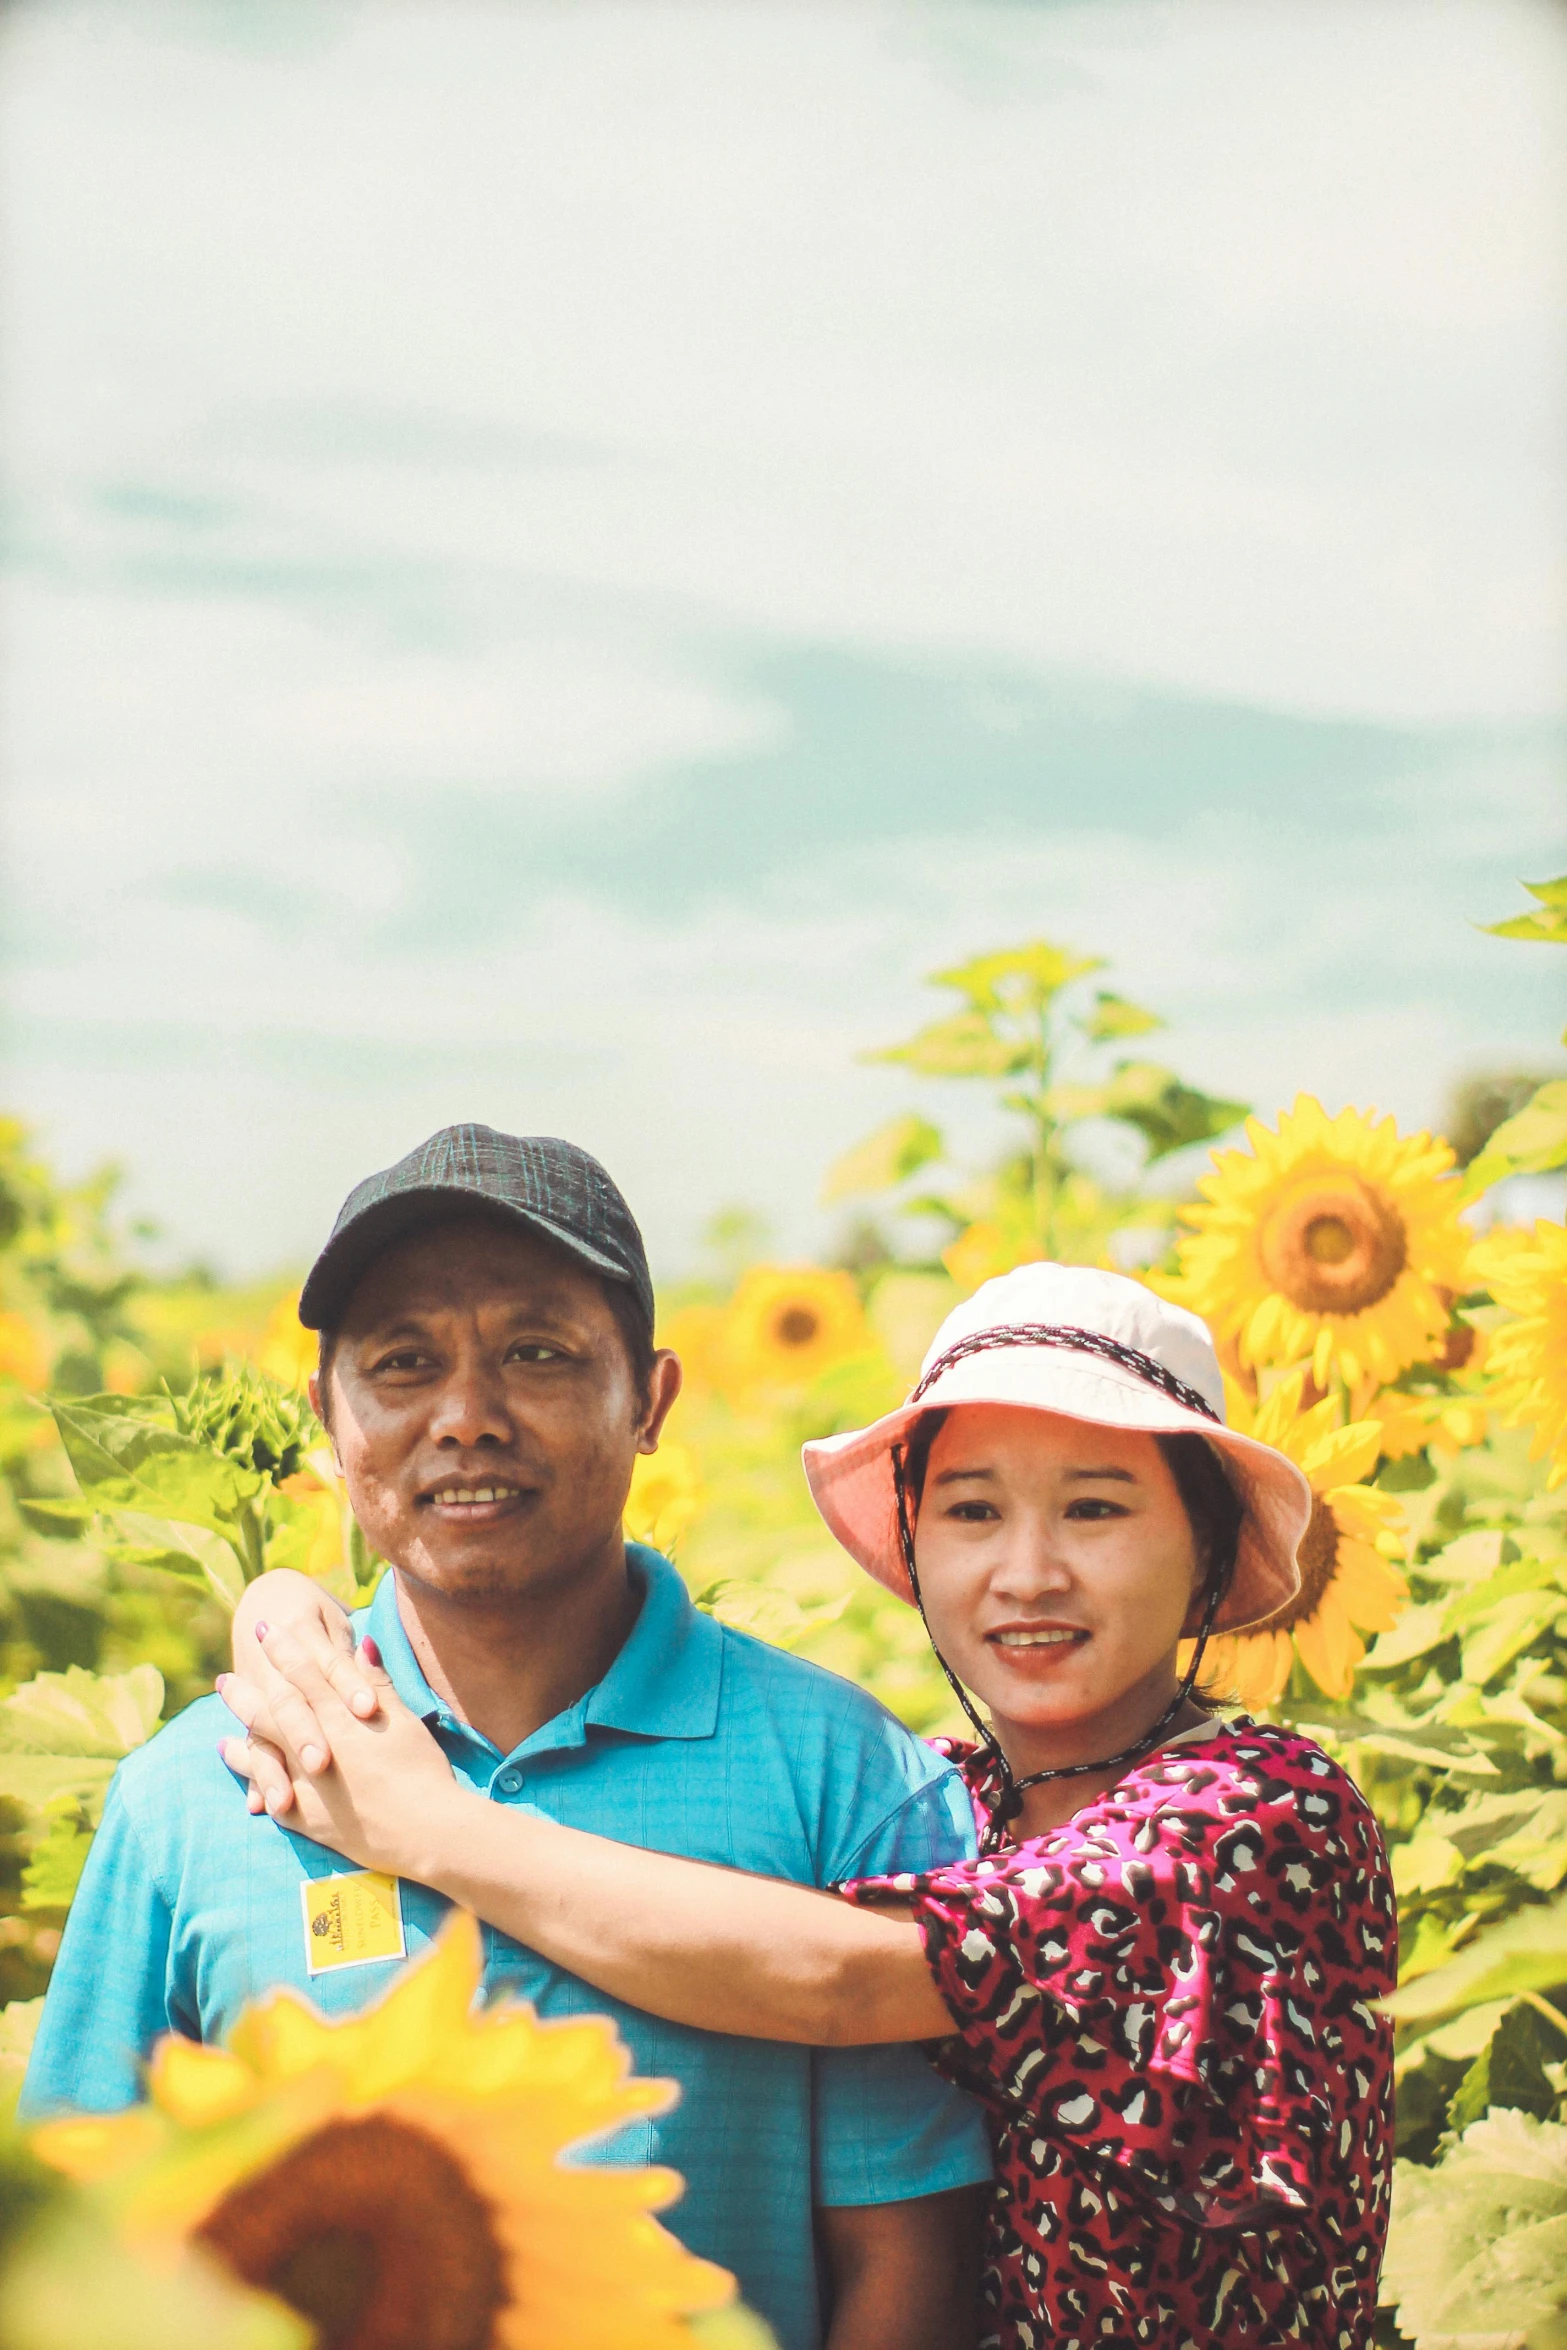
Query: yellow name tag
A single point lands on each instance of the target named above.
(351, 1920)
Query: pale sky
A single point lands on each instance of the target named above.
(559, 557)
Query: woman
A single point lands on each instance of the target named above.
(1160, 1972)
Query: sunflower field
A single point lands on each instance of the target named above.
(1378, 1318)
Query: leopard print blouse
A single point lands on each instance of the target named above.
(1167, 2005)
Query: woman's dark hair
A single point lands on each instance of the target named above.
(1214, 1510)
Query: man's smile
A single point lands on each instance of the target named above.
(475, 1500)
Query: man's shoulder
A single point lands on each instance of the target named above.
(180, 1765)
(824, 1715)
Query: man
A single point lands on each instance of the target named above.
(488, 1377)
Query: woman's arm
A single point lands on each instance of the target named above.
(698, 1944)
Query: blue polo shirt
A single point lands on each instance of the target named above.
(698, 1740)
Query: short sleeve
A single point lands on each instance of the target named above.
(108, 1995)
(887, 2125)
(1179, 1987)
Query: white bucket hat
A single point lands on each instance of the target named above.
(1090, 1346)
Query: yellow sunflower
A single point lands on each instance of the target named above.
(785, 1325)
(666, 1493)
(1527, 1361)
(1346, 1579)
(1333, 1242)
(696, 1333)
(23, 1355)
(288, 1350)
(396, 2177)
(1444, 1424)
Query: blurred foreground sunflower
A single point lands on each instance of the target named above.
(396, 2177)
(786, 1325)
(1527, 1360)
(1346, 1580)
(1334, 1242)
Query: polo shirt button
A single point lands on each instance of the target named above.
(510, 1782)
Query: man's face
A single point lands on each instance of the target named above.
(485, 1411)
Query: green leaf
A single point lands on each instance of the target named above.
(51, 1876)
(1550, 924)
(1529, 1143)
(906, 1310)
(1425, 1864)
(295, 1525)
(1018, 979)
(1452, 1751)
(884, 1159)
(1537, 1852)
(1508, 1628)
(1067, 1103)
(1510, 2070)
(55, 1517)
(1520, 1575)
(767, 1614)
(82, 1713)
(1485, 1821)
(1527, 1952)
(136, 1460)
(1170, 1116)
(39, 1781)
(1477, 2252)
(964, 1046)
(1466, 1559)
(1418, 1630)
(1112, 1016)
(192, 1552)
(19, 2022)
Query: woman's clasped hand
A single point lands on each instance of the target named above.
(330, 1748)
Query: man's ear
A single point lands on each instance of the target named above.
(664, 1384)
(313, 1390)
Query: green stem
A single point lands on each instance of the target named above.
(253, 1530)
(1543, 2007)
(1044, 1133)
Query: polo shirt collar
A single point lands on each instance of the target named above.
(664, 1683)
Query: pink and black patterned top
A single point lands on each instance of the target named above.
(1167, 2006)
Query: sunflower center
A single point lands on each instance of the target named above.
(1328, 1240)
(796, 1326)
(1318, 1557)
(373, 2231)
(1333, 1246)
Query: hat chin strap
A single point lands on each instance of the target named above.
(1014, 1789)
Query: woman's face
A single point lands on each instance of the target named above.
(1058, 1571)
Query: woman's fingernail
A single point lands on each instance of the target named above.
(252, 1801)
(274, 1800)
(363, 1703)
(368, 1649)
(313, 1759)
(221, 1682)
(262, 1630)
